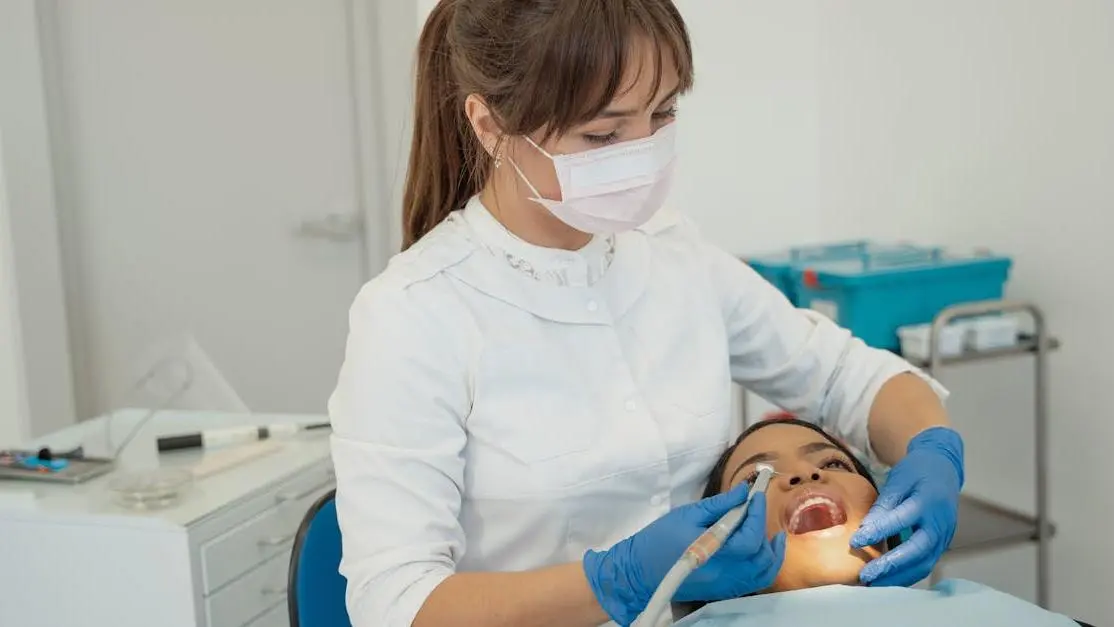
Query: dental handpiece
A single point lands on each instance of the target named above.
(658, 612)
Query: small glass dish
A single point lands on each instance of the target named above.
(150, 489)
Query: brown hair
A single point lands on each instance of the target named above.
(536, 63)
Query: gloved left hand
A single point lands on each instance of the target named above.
(921, 493)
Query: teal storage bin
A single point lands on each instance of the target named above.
(876, 293)
(777, 267)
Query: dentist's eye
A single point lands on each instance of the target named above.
(667, 114)
(602, 139)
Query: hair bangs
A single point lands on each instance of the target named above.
(587, 61)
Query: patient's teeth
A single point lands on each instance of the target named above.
(834, 510)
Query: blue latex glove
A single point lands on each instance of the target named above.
(624, 577)
(921, 493)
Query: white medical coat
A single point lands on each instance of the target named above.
(486, 420)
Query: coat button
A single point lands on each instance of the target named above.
(593, 305)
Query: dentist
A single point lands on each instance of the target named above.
(535, 390)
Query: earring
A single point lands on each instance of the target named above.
(495, 152)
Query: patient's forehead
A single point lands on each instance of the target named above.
(781, 439)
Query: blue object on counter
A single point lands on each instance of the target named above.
(878, 292)
(777, 268)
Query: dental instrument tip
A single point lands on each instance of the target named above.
(766, 468)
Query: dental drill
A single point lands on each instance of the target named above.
(658, 612)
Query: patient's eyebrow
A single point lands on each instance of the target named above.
(816, 447)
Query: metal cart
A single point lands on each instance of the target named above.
(984, 525)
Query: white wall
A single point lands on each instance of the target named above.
(89, 118)
(13, 390)
(35, 258)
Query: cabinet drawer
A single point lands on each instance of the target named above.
(277, 616)
(244, 547)
(254, 594)
(267, 534)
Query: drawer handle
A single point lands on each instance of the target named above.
(273, 591)
(276, 541)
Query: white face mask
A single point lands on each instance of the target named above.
(611, 189)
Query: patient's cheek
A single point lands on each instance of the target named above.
(812, 561)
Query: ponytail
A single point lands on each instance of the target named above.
(440, 177)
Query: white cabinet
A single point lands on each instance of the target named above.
(218, 558)
(243, 554)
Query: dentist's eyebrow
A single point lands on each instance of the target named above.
(626, 113)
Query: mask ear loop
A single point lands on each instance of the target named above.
(521, 175)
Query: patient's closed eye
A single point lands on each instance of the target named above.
(832, 463)
(837, 463)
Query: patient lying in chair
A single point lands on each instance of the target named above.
(820, 496)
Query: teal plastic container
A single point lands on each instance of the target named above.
(778, 267)
(876, 293)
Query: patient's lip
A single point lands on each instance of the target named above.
(803, 496)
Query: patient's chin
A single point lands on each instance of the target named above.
(815, 560)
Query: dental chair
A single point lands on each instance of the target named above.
(315, 592)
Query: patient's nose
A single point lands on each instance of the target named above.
(804, 475)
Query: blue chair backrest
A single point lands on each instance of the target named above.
(315, 595)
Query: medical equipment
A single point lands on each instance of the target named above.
(986, 525)
(951, 341)
(58, 467)
(164, 487)
(875, 294)
(777, 267)
(614, 188)
(658, 611)
(872, 288)
(978, 334)
(235, 435)
(990, 333)
(145, 490)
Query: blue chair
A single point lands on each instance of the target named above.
(315, 592)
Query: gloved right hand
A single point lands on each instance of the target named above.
(625, 576)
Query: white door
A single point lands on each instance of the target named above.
(211, 184)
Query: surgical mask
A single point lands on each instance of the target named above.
(611, 189)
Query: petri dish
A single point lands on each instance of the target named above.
(151, 489)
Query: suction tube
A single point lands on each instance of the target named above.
(658, 612)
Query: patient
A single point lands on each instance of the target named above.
(819, 498)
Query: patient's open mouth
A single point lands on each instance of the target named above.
(814, 511)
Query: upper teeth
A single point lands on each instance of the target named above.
(809, 502)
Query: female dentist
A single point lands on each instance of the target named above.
(535, 390)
